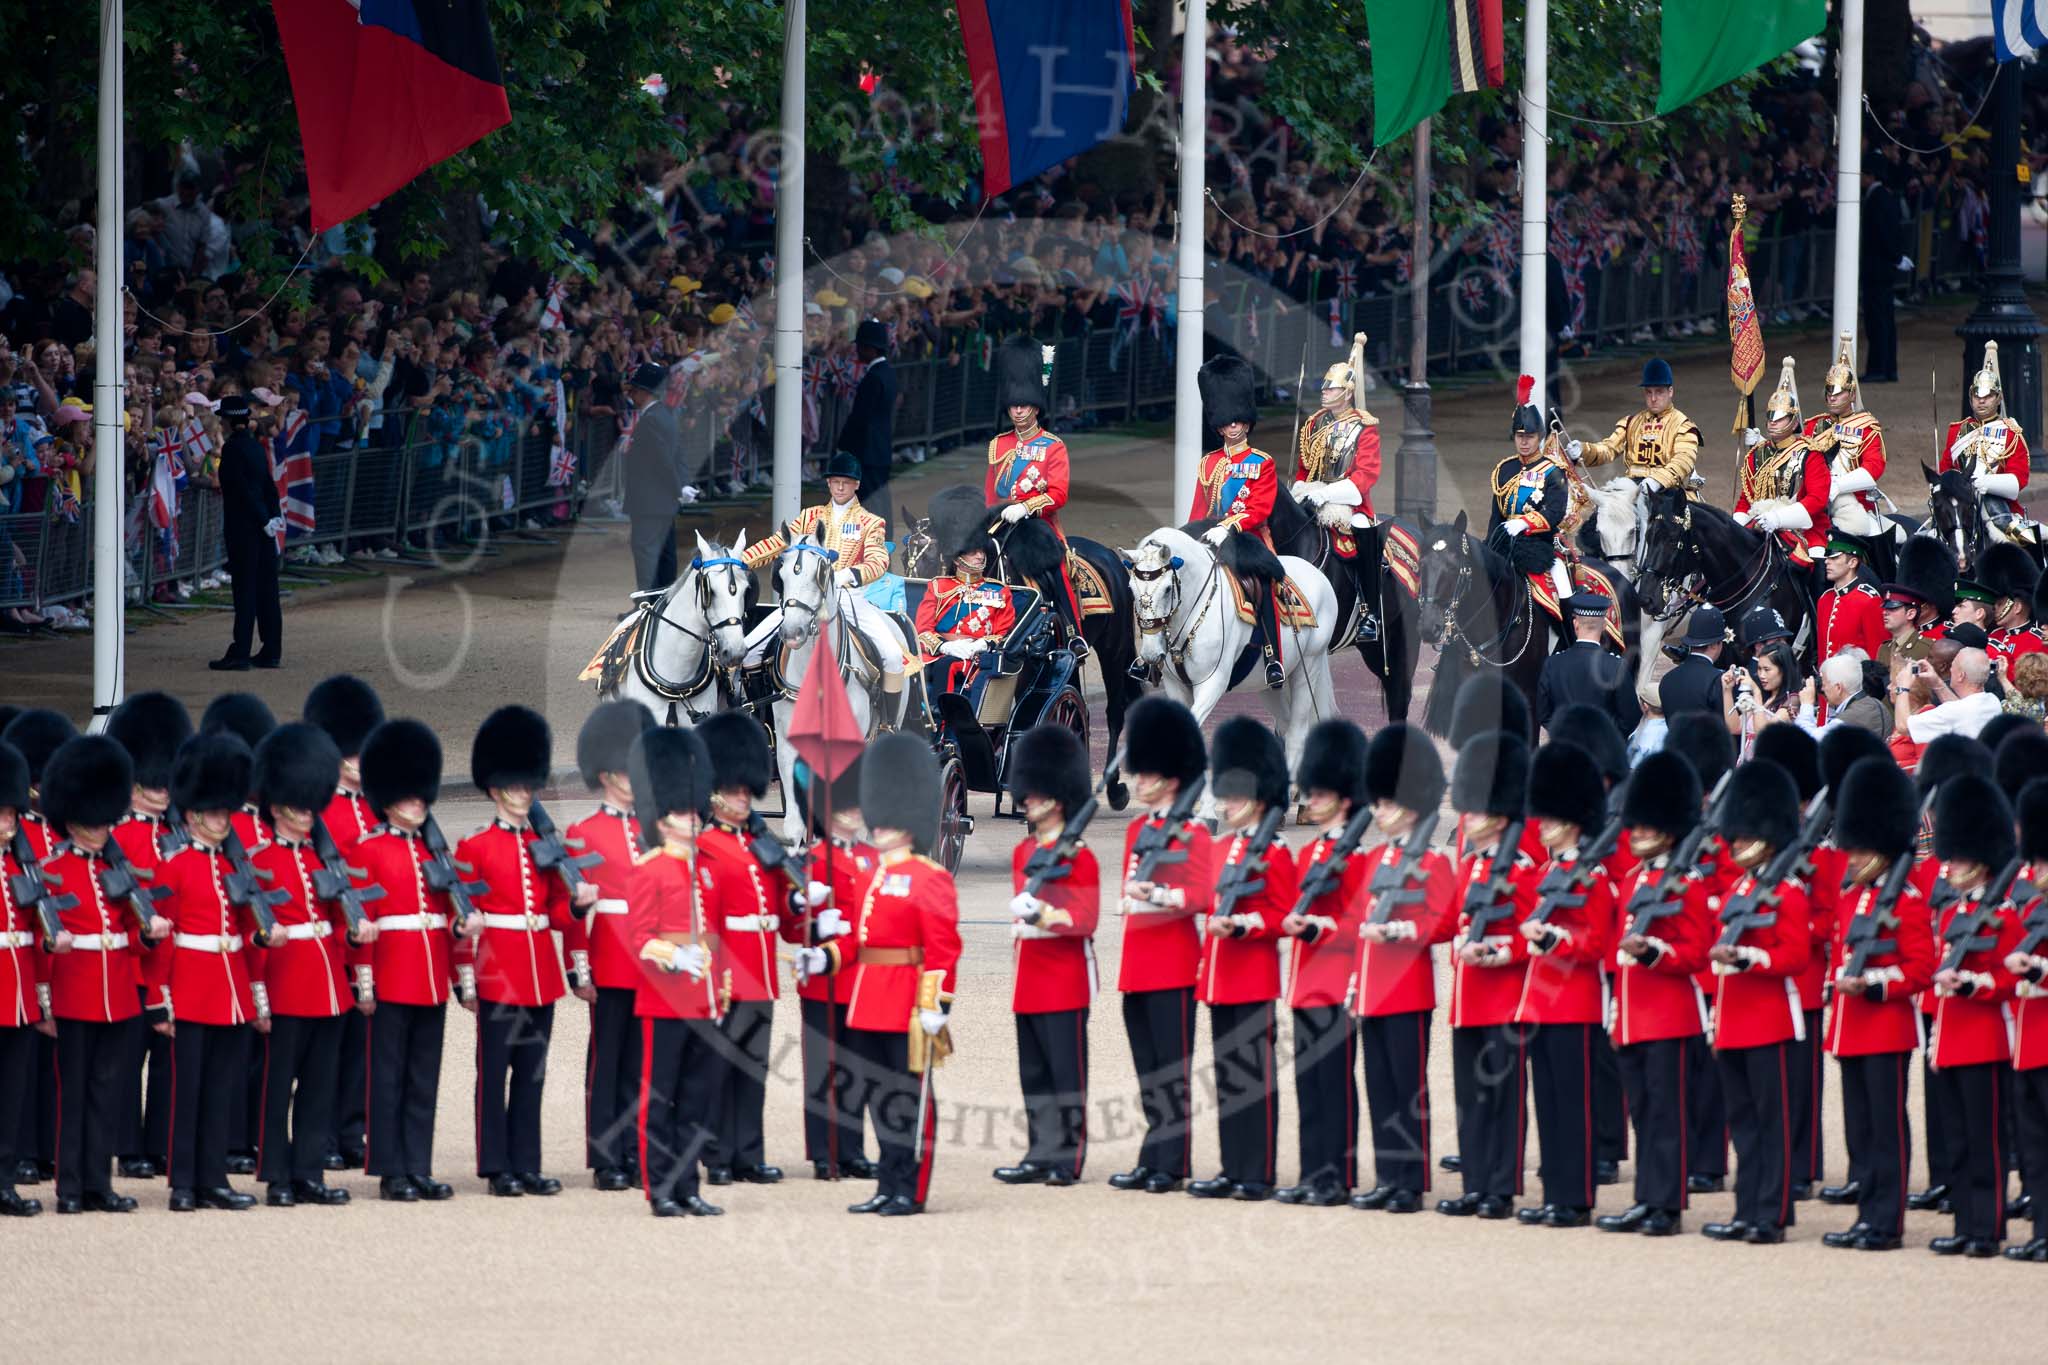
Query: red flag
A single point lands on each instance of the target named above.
(821, 727)
(1745, 331)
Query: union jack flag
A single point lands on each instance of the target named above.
(292, 470)
(561, 467)
(1347, 279)
(167, 482)
(1134, 299)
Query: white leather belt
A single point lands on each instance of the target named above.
(752, 924)
(209, 943)
(522, 923)
(16, 938)
(609, 907)
(318, 928)
(429, 920)
(99, 943)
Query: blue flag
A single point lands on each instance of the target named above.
(1052, 78)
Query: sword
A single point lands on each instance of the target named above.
(1300, 378)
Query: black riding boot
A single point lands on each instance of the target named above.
(1066, 605)
(1269, 616)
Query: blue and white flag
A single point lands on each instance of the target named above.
(2020, 27)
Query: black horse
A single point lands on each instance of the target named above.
(1957, 515)
(1392, 651)
(1695, 554)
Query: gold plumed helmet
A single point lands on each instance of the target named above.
(1350, 373)
(1842, 374)
(1785, 398)
(1987, 380)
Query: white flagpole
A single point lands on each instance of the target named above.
(109, 402)
(1849, 173)
(1194, 132)
(787, 498)
(1535, 333)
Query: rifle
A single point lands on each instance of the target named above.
(1389, 887)
(334, 881)
(442, 873)
(30, 889)
(768, 851)
(1323, 877)
(1497, 893)
(123, 882)
(551, 853)
(1757, 908)
(1976, 931)
(2036, 922)
(1861, 937)
(1153, 849)
(1051, 862)
(244, 887)
(1247, 878)
(1687, 863)
(1566, 885)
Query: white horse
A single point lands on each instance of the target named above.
(1620, 522)
(697, 624)
(1188, 625)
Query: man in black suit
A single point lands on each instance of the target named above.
(1883, 247)
(869, 429)
(653, 480)
(1695, 684)
(1585, 672)
(251, 517)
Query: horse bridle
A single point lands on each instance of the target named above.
(1177, 653)
(1455, 630)
(827, 558)
(1692, 591)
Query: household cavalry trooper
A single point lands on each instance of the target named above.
(1657, 446)
(514, 964)
(611, 1073)
(2029, 965)
(1338, 459)
(1407, 910)
(1531, 492)
(1028, 474)
(1849, 435)
(1053, 928)
(1781, 482)
(24, 984)
(1168, 885)
(1988, 446)
(1234, 490)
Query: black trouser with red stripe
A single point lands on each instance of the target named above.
(1654, 1076)
(511, 1070)
(146, 1104)
(1706, 1111)
(1879, 1136)
(889, 1091)
(611, 1082)
(2030, 1101)
(1396, 1048)
(404, 1082)
(1974, 1097)
(1807, 1060)
(680, 1067)
(1488, 1067)
(300, 1058)
(1944, 1140)
(1561, 1074)
(1610, 1102)
(743, 1085)
(209, 1075)
(1247, 1093)
(1326, 1092)
(1758, 1082)
(832, 1122)
(351, 1083)
(1161, 1027)
(1052, 1069)
(17, 1087)
(89, 1057)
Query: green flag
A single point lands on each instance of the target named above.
(1411, 63)
(1708, 43)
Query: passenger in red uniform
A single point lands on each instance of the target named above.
(517, 969)
(1053, 931)
(1489, 790)
(1331, 780)
(1165, 756)
(2028, 962)
(611, 1068)
(1405, 910)
(24, 989)
(1756, 1008)
(1240, 971)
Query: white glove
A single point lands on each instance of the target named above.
(960, 649)
(1172, 897)
(1025, 907)
(831, 924)
(691, 960)
(1752, 437)
(1514, 526)
(810, 962)
(1215, 534)
(1305, 491)
(1740, 518)
(1015, 513)
(811, 897)
(931, 1021)
(1574, 449)
(273, 526)
(689, 494)
(846, 578)
(260, 993)
(1766, 520)
(1996, 485)
(1649, 483)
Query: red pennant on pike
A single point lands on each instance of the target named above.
(821, 726)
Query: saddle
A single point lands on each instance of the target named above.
(1294, 612)
(607, 668)
(1088, 586)
(1584, 578)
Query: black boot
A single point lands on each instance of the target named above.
(1269, 619)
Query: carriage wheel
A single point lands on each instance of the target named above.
(1068, 710)
(955, 824)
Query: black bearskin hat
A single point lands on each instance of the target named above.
(151, 726)
(1162, 736)
(960, 520)
(1876, 809)
(297, 766)
(1927, 569)
(87, 782)
(821, 802)
(213, 771)
(13, 779)
(1762, 802)
(1565, 784)
(1704, 741)
(671, 774)
(1334, 759)
(1021, 376)
(1032, 550)
(1050, 761)
(739, 751)
(1488, 701)
(2022, 756)
(1594, 731)
(1792, 749)
(1843, 747)
(1402, 766)
(1663, 794)
(1999, 726)
(1491, 776)
(899, 788)
(347, 708)
(38, 732)
(512, 748)
(2033, 805)
(2008, 571)
(1247, 759)
(242, 714)
(1948, 756)
(1229, 392)
(607, 737)
(401, 759)
(1973, 822)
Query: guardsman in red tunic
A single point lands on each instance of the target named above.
(1234, 489)
(1053, 931)
(1169, 883)
(611, 1070)
(517, 969)
(1989, 446)
(95, 978)
(1027, 465)
(1489, 790)
(1661, 932)
(2009, 573)
(1850, 614)
(2028, 963)
(1969, 1045)
(348, 708)
(676, 944)
(1404, 911)
(904, 953)
(24, 988)
(1781, 481)
(36, 733)
(963, 612)
(1256, 887)
(305, 972)
(1756, 1007)
(410, 972)
(150, 726)
(1853, 441)
(1881, 955)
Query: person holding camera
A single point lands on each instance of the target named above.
(1962, 703)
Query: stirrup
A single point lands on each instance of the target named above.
(1140, 671)
(1368, 631)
